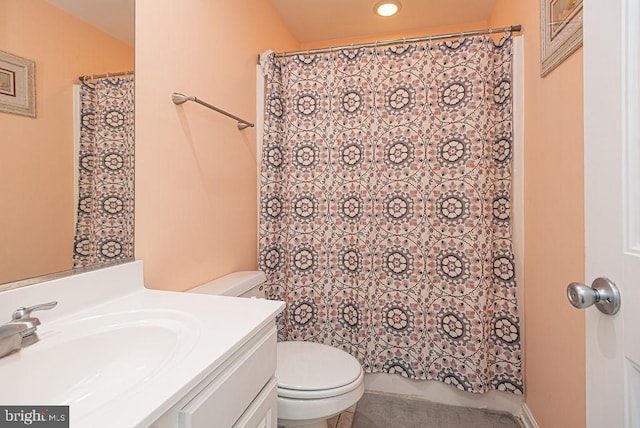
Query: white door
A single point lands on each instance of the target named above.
(612, 208)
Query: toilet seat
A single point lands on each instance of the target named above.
(306, 394)
(308, 370)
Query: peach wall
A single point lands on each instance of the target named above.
(36, 155)
(554, 227)
(195, 172)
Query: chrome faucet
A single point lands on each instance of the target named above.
(10, 338)
(20, 332)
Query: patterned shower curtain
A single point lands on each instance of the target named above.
(385, 208)
(104, 229)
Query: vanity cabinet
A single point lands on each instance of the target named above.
(240, 392)
(127, 356)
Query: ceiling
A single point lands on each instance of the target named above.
(309, 20)
(114, 17)
(318, 20)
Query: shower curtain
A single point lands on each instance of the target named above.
(104, 227)
(385, 208)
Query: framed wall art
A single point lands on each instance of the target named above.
(17, 85)
(561, 31)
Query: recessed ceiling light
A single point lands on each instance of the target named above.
(387, 7)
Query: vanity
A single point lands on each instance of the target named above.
(121, 355)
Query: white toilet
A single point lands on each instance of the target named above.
(315, 381)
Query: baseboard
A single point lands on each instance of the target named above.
(527, 418)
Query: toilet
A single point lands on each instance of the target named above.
(315, 381)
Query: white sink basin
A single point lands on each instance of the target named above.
(81, 362)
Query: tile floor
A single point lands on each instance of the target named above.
(344, 419)
(385, 411)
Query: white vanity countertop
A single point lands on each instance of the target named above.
(131, 354)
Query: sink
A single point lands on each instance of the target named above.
(122, 355)
(88, 361)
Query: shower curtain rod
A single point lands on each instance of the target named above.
(100, 76)
(512, 29)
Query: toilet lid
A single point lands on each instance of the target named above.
(312, 366)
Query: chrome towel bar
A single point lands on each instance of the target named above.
(181, 99)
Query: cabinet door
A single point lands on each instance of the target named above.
(228, 396)
(263, 411)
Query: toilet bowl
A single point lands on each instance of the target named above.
(315, 381)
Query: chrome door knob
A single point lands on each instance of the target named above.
(581, 295)
(603, 293)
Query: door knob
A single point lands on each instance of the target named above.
(603, 293)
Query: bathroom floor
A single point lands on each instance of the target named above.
(344, 419)
(384, 411)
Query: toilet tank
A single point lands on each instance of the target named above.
(238, 284)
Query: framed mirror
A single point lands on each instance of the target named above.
(44, 216)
